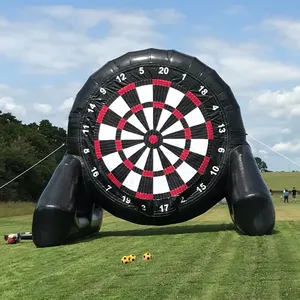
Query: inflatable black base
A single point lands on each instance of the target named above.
(155, 137)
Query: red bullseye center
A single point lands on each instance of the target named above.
(153, 139)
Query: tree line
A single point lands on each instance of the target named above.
(21, 146)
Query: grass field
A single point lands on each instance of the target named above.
(281, 180)
(204, 258)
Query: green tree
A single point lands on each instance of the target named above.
(262, 166)
(21, 146)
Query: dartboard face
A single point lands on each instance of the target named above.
(153, 138)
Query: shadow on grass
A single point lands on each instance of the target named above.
(169, 230)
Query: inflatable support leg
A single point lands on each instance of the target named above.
(64, 211)
(249, 200)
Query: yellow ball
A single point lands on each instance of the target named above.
(125, 260)
(147, 256)
(132, 257)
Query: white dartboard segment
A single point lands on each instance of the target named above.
(145, 93)
(195, 117)
(186, 172)
(180, 143)
(170, 155)
(112, 160)
(174, 128)
(160, 185)
(127, 135)
(199, 146)
(133, 149)
(157, 166)
(119, 106)
(132, 181)
(165, 114)
(133, 120)
(148, 112)
(174, 97)
(142, 161)
(107, 132)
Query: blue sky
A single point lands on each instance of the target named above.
(49, 48)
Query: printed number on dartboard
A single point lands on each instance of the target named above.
(221, 128)
(126, 200)
(161, 70)
(95, 172)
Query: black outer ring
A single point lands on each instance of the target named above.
(196, 70)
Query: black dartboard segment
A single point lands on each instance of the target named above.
(153, 137)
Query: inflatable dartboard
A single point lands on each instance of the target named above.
(156, 137)
(152, 133)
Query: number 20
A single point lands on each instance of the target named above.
(163, 70)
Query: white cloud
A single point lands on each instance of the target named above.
(244, 66)
(57, 100)
(278, 104)
(7, 90)
(291, 147)
(8, 102)
(67, 104)
(263, 151)
(43, 108)
(235, 10)
(287, 29)
(52, 42)
(167, 16)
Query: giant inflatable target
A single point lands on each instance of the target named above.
(155, 137)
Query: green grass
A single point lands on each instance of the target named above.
(200, 259)
(15, 209)
(280, 180)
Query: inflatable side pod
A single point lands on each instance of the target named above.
(154, 137)
(64, 210)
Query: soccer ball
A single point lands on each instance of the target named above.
(147, 256)
(125, 260)
(132, 257)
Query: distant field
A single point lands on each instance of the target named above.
(16, 209)
(280, 180)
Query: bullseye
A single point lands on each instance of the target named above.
(153, 139)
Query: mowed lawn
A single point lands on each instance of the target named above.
(282, 180)
(204, 258)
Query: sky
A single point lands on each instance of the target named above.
(48, 49)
